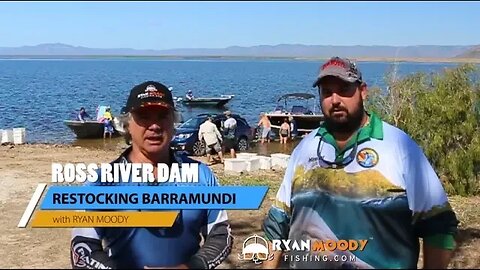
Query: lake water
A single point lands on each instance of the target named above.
(40, 94)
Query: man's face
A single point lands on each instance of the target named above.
(342, 104)
(152, 129)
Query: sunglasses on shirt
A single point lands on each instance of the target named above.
(342, 163)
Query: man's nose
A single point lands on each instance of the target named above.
(335, 99)
(155, 125)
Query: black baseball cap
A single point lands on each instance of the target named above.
(149, 93)
(341, 68)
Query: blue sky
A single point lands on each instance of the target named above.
(165, 25)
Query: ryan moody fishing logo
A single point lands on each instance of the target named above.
(255, 249)
(319, 250)
(319, 245)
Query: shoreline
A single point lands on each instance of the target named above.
(420, 60)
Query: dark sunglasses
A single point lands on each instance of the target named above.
(346, 89)
(338, 164)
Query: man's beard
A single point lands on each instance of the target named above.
(352, 122)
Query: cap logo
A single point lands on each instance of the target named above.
(150, 88)
(150, 91)
(334, 63)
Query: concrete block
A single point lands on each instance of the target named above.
(19, 135)
(7, 136)
(265, 162)
(280, 160)
(234, 165)
(253, 164)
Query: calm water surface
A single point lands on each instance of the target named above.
(40, 94)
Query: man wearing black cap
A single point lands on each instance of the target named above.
(150, 128)
(360, 181)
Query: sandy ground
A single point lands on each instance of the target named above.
(23, 167)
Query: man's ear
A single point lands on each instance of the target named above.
(363, 91)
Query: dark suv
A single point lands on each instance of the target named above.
(186, 136)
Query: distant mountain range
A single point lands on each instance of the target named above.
(282, 50)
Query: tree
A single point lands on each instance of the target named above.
(441, 112)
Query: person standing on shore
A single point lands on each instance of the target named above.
(108, 123)
(284, 131)
(358, 178)
(229, 131)
(150, 129)
(213, 139)
(293, 127)
(266, 127)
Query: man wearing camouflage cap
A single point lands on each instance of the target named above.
(361, 186)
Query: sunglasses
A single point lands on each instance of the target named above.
(260, 256)
(338, 164)
(345, 90)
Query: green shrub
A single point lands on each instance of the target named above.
(441, 112)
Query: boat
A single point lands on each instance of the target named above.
(87, 129)
(206, 101)
(307, 117)
(90, 129)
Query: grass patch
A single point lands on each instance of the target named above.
(271, 179)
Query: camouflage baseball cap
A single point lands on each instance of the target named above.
(341, 68)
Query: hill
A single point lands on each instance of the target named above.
(281, 50)
(472, 53)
